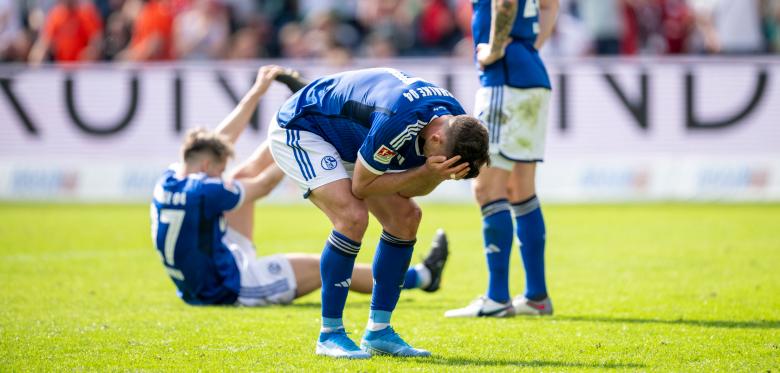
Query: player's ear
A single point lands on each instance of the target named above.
(436, 139)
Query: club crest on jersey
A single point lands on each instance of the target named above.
(384, 155)
(328, 162)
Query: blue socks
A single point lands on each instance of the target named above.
(532, 236)
(497, 231)
(336, 264)
(411, 279)
(391, 265)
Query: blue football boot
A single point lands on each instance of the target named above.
(337, 344)
(388, 342)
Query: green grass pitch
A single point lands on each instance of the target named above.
(668, 287)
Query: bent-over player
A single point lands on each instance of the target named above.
(367, 141)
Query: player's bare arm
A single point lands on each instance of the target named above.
(548, 14)
(415, 182)
(503, 17)
(262, 184)
(235, 123)
(421, 187)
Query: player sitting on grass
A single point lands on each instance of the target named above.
(211, 259)
(367, 141)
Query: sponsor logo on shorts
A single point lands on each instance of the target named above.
(274, 268)
(384, 155)
(328, 162)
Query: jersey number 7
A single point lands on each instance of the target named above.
(173, 219)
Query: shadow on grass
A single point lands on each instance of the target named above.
(318, 305)
(498, 362)
(728, 324)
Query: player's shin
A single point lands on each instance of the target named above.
(532, 236)
(497, 231)
(336, 264)
(391, 262)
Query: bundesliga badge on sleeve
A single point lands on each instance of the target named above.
(384, 155)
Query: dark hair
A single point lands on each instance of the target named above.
(200, 141)
(469, 139)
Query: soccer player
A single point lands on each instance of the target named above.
(513, 101)
(213, 261)
(367, 141)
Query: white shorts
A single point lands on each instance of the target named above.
(517, 123)
(265, 280)
(306, 158)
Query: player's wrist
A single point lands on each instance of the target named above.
(428, 173)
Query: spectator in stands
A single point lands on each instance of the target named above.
(656, 26)
(10, 29)
(676, 25)
(603, 19)
(771, 23)
(244, 45)
(152, 38)
(292, 41)
(119, 27)
(729, 26)
(436, 28)
(72, 32)
(202, 31)
(392, 20)
(337, 30)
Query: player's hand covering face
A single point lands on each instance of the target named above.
(440, 167)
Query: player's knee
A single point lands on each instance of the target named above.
(485, 193)
(353, 222)
(522, 191)
(414, 216)
(407, 221)
(480, 192)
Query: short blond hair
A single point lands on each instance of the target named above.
(199, 141)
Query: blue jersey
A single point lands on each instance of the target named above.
(372, 114)
(521, 66)
(187, 229)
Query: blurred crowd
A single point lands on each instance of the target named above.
(39, 31)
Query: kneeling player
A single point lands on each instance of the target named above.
(211, 259)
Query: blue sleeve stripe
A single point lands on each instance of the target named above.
(305, 154)
(290, 139)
